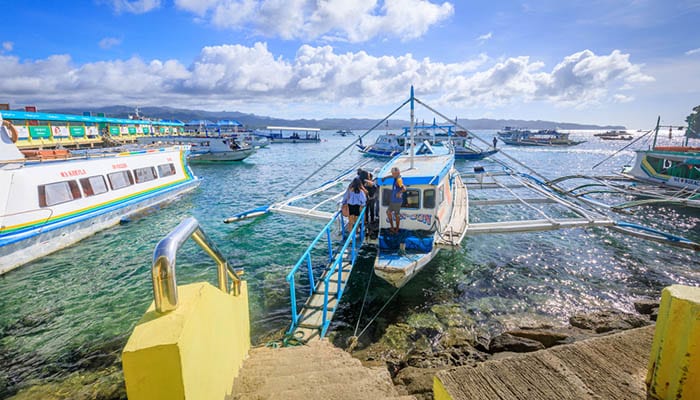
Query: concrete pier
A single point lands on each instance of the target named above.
(608, 367)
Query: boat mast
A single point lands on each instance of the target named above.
(412, 122)
(656, 132)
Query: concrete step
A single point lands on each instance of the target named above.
(367, 388)
(252, 383)
(256, 367)
(295, 359)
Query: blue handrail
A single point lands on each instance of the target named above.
(334, 260)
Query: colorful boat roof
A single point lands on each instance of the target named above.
(430, 165)
(53, 117)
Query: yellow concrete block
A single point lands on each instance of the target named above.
(192, 352)
(439, 391)
(674, 365)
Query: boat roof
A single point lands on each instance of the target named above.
(430, 165)
(291, 128)
(53, 117)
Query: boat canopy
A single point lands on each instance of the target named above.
(291, 128)
(52, 117)
(431, 165)
(228, 122)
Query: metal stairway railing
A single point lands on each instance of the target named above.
(322, 286)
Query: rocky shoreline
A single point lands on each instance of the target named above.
(413, 350)
(444, 337)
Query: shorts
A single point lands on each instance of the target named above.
(354, 209)
(395, 207)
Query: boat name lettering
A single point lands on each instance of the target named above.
(119, 166)
(74, 172)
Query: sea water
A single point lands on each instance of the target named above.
(74, 309)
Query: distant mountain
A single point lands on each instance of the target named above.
(257, 121)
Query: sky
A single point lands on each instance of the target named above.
(594, 61)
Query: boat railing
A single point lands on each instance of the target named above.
(335, 261)
(165, 257)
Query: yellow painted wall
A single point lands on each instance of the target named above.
(674, 364)
(193, 352)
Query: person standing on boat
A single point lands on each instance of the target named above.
(372, 199)
(355, 198)
(495, 140)
(397, 191)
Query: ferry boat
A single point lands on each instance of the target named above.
(434, 212)
(290, 134)
(544, 137)
(206, 149)
(50, 199)
(672, 166)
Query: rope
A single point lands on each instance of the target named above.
(346, 148)
(288, 340)
(623, 148)
(364, 301)
(377, 314)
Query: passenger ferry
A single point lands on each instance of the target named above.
(390, 145)
(434, 212)
(673, 166)
(50, 199)
(544, 137)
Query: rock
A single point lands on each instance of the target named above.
(654, 314)
(608, 320)
(646, 306)
(508, 342)
(416, 380)
(548, 338)
(451, 315)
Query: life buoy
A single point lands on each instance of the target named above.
(12, 130)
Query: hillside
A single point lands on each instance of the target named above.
(257, 121)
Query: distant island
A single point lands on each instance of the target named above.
(256, 121)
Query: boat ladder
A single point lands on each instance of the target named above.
(312, 320)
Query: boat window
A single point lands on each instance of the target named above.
(93, 185)
(166, 170)
(411, 198)
(429, 198)
(121, 179)
(58, 192)
(386, 197)
(145, 174)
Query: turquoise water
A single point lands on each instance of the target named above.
(74, 309)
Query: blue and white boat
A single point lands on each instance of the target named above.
(50, 199)
(434, 213)
(386, 146)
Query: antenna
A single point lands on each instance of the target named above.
(412, 122)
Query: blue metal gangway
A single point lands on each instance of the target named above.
(325, 291)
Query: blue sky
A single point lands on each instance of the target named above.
(595, 61)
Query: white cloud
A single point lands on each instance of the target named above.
(134, 6)
(109, 42)
(231, 75)
(485, 37)
(7, 46)
(354, 21)
(693, 51)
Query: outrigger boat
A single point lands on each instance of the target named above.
(390, 145)
(670, 166)
(50, 199)
(434, 213)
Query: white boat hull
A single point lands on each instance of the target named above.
(655, 167)
(48, 241)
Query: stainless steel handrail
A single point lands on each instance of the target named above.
(164, 258)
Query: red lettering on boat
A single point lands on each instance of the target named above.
(118, 166)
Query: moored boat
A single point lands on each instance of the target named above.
(544, 137)
(289, 134)
(206, 149)
(673, 166)
(434, 212)
(50, 201)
